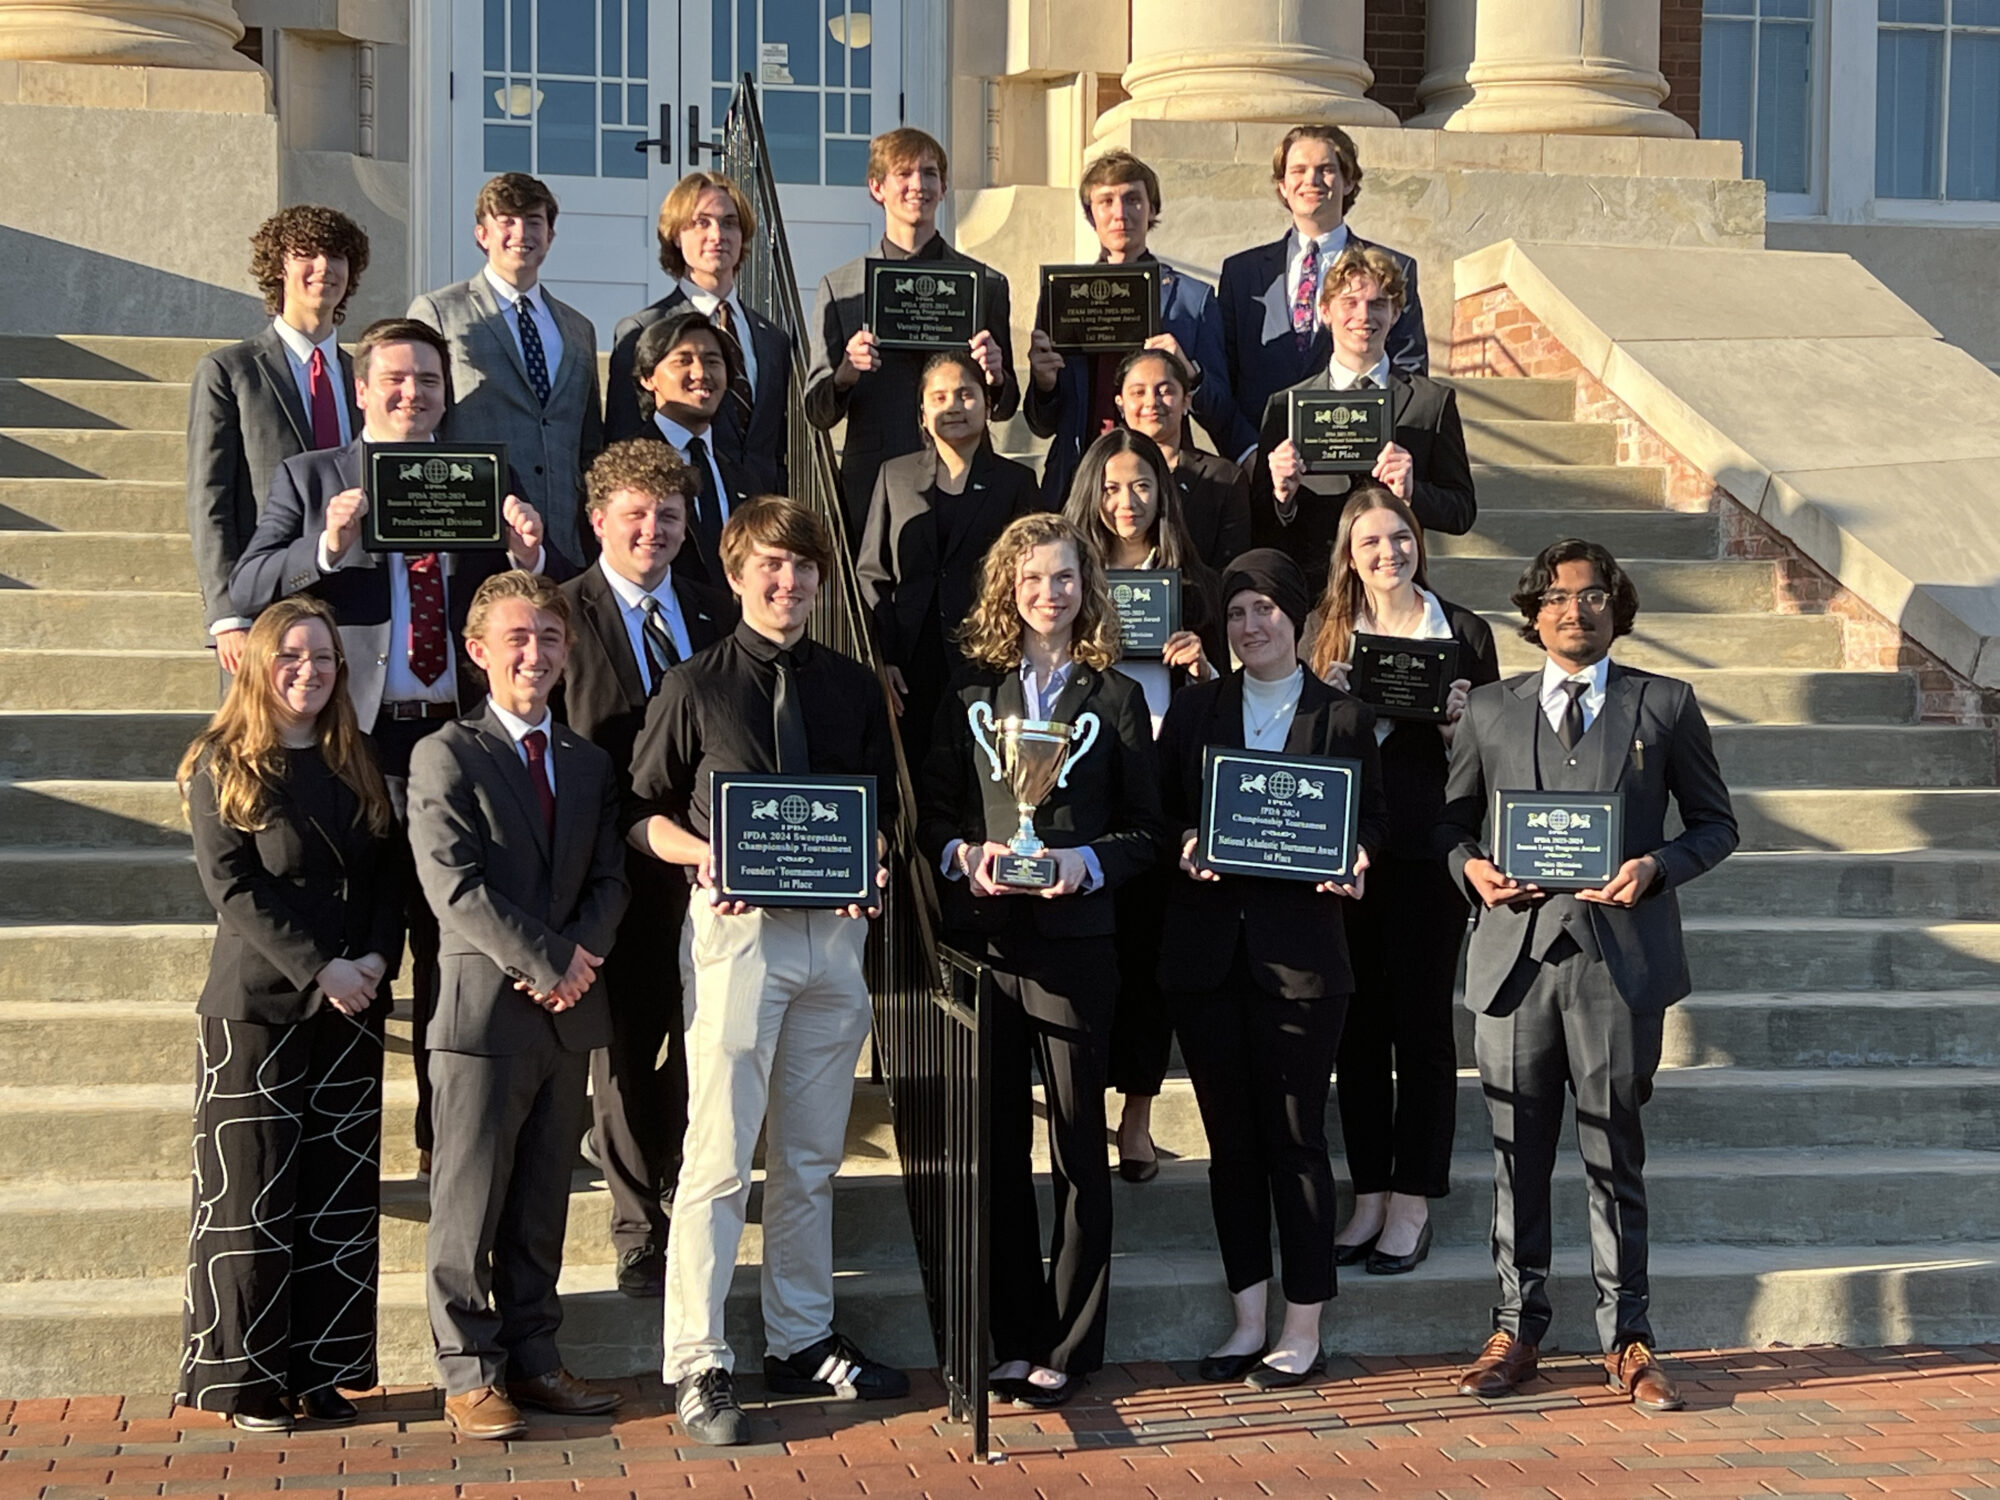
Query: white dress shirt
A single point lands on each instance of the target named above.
(298, 354)
(705, 302)
(1340, 378)
(545, 321)
(1555, 699)
(632, 606)
(520, 728)
(678, 438)
(1330, 245)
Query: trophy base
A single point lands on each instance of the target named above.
(1024, 872)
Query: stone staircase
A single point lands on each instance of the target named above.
(1823, 1139)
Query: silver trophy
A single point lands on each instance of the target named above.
(1033, 757)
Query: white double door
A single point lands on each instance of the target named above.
(568, 90)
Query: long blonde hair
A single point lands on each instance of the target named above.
(242, 750)
(1345, 597)
(991, 634)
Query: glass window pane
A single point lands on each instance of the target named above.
(795, 25)
(1976, 13)
(1725, 81)
(495, 36)
(860, 34)
(791, 126)
(1729, 7)
(635, 39)
(836, 114)
(1796, 10)
(857, 115)
(635, 104)
(1908, 75)
(722, 20)
(1784, 108)
(1973, 172)
(509, 148)
(613, 104)
(520, 51)
(566, 35)
(493, 97)
(566, 129)
(620, 160)
(746, 39)
(846, 163)
(1921, 11)
(836, 49)
(719, 101)
(614, 37)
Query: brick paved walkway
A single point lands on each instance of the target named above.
(1762, 1422)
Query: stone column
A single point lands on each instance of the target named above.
(1281, 61)
(1588, 67)
(134, 33)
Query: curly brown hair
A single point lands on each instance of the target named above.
(642, 464)
(991, 634)
(305, 230)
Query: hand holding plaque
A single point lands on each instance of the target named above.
(1559, 841)
(1403, 679)
(1339, 432)
(1149, 608)
(1285, 817)
(1101, 308)
(793, 840)
(1033, 757)
(923, 304)
(433, 497)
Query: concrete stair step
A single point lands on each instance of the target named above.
(93, 814)
(1713, 587)
(93, 745)
(92, 356)
(1628, 533)
(83, 961)
(1953, 885)
(1511, 442)
(1866, 820)
(139, 406)
(1513, 398)
(93, 619)
(1854, 755)
(1585, 488)
(1679, 643)
(92, 504)
(76, 453)
(1781, 695)
(97, 560)
(1841, 953)
(1835, 1029)
(95, 680)
(100, 885)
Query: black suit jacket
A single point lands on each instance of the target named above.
(1650, 742)
(1110, 801)
(1297, 940)
(754, 440)
(1215, 506)
(1415, 758)
(1427, 424)
(305, 889)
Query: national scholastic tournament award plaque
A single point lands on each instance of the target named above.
(794, 840)
(433, 497)
(1287, 817)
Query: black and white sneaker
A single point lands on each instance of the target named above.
(835, 1366)
(708, 1411)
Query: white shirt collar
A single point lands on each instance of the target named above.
(302, 347)
(1341, 378)
(1553, 677)
(509, 295)
(1435, 626)
(520, 728)
(1058, 680)
(704, 301)
(674, 433)
(629, 593)
(1330, 244)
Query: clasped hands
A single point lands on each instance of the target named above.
(577, 979)
(1634, 878)
(349, 983)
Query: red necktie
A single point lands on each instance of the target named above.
(537, 745)
(325, 415)
(427, 634)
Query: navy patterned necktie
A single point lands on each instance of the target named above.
(532, 353)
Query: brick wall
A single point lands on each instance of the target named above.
(1494, 334)
(1393, 46)
(1680, 58)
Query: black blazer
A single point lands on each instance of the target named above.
(905, 583)
(1427, 424)
(1297, 940)
(312, 886)
(1111, 801)
(1215, 505)
(755, 439)
(1415, 757)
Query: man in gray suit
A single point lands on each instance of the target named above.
(255, 404)
(1570, 991)
(514, 826)
(523, 365)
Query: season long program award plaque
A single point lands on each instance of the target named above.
(1559, 841)
(433, 497)
(922, 304)
(1101, 309)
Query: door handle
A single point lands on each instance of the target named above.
(695, 144)
(664, 140)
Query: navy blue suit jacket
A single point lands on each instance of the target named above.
(1259, 369)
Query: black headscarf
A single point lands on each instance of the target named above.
(1267, 571)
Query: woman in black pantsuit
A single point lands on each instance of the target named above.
(1259, 974)
(291, 837)
(1042, 639)
(1398, 1062)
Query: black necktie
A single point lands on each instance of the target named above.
(707, 508)
(1366, 383)
(660, 651)
(533, 355)
(1571, 728)
(788, 720)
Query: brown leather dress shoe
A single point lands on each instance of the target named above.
(562, 1393)
(1502, 1365)
(1635, 1372)
(484, 1413)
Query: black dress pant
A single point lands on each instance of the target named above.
(1142, 1029)
(1260, 1067)
(1398, 1061)
(285, 1243)
(394, 740)
(1049, 1011)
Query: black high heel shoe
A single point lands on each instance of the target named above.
(1267, 1377)
(1398, 1265)
(1353, 1255)
(1226, 1369)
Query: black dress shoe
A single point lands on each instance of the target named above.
(1267, 1377)
(642, 1271)
(1398, 1265)
(1138, 1171)
(1353, 1255)
(1047, 1397)
(329, 1408)
(262, 1411)
(1223, 1369)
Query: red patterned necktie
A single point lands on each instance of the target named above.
(427, 632)
(325, 415)
(537, 745)
(1305, 299)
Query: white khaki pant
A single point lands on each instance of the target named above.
(777, 1009)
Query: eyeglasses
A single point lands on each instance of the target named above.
(1590, 599)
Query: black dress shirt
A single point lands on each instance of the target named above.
(713, 713)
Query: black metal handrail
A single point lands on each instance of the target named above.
(930, 1048)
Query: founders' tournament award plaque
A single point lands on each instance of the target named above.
(1559, 841)
(1149, 608)
(922, 304)
(1289, 817)
(793, 840)
(1401, 678)
(430, 497)
(1340, 432)
(1101, 309)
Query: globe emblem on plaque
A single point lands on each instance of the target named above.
(926, 285)
(1558, 820)
(1121, 594)
(1283, 785)
(436, 471)
(1403, 661)
(795, 809)
(1345, 416)
(1100, 290)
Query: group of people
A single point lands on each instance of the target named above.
(490, 771)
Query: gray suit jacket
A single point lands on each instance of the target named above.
(511, 903)
(491, 401)
(1649, 742)
(244, 419)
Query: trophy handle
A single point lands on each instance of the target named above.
(1086, 731)
(980, 716)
